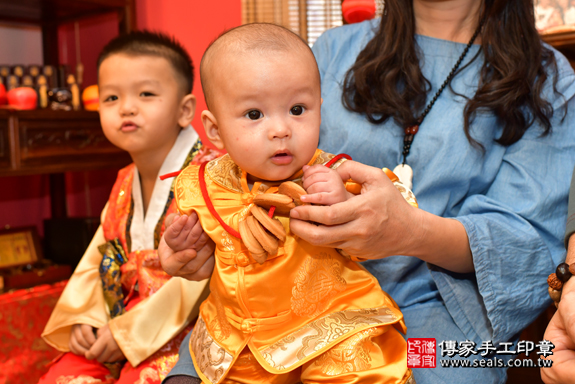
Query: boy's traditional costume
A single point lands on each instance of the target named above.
(120, 281)
(306, 306)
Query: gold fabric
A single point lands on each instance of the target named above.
(297, 305)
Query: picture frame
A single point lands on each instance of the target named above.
(19, 246)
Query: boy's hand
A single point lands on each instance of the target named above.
(195, 263)
(323, 185)
(105, 349)
(81, 339)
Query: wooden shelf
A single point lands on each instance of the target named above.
(46, 141)
(58, 11)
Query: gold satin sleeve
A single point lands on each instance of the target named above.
(82, 301)
(139, 332)
(153, 322)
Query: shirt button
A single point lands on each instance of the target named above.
(242, 260)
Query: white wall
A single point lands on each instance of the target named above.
(20, 45)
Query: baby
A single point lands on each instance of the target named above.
(280, 309)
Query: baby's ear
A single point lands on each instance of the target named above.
(187, 110)
(212, 129)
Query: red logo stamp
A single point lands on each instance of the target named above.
(421, 353)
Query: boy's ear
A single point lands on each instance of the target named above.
(187, 110)
(212, 129)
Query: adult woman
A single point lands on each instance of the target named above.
(482, 155)
(561, 328)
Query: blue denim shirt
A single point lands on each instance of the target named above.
(512, 200)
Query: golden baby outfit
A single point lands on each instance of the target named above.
(307, 313)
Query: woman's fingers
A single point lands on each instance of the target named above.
(563, 354)
(567, 309)
(362, 174)
(327, 215)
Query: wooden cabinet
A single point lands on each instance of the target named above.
(45, 141)
(54, 142)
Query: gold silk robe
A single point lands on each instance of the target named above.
(292, 308)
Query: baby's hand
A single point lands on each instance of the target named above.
(184, 232)
(81, 339)
(105, 349)
(194, 263)
(323, 185)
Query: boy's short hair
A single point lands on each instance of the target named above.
(147, 43)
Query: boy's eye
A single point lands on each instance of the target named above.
(146, 94)
(254, 114)
(296, 110)
(111, 98)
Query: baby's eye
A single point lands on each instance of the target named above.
(146, 94)
(296, 110)
(254, 114)
(111, 98)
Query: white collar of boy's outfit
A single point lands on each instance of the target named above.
(142, 228)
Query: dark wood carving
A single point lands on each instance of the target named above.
(48, 141)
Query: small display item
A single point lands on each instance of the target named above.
(22, 98)
(12, 82)
(42, 89)
(19, 246)
(75, 92)
(3, 99)
(51, 77)
(60, 99)
(90, 98)
(18, 70)
(356, 11)
(34, 70)
(27, 81)
(4, 70)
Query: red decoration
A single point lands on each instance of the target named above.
(23, 353)
(356, 11)
(3, 99)
(22, 98)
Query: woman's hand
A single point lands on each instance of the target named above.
(380, 223)
(81, 339)
(105, 349)
(375, 224)
(561, 332)
(191, 264)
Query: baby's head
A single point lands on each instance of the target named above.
(262, 89)
(145, 82)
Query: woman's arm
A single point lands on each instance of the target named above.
(380, 223)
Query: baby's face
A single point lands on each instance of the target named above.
(267, 108)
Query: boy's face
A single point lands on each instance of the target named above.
(265, 111)
(141, 105)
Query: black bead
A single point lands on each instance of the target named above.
(562, 272)
(405, 153)
(409, 138)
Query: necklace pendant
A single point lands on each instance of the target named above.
(405, 174)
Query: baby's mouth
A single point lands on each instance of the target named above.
(282, 157)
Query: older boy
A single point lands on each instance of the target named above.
(300, 312)
(119, 305)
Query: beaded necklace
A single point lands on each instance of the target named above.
(403, 170)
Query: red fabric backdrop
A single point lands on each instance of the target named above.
(23, 315)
